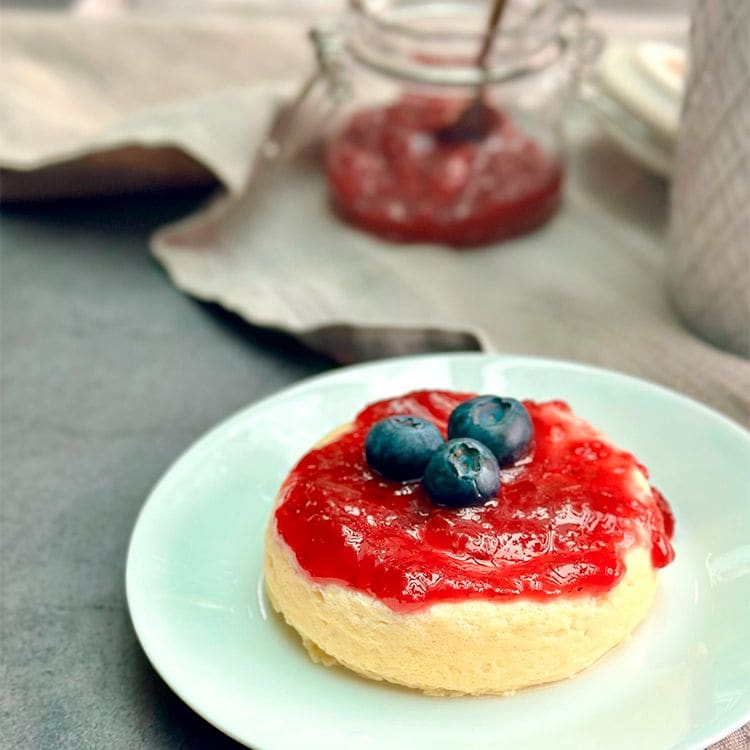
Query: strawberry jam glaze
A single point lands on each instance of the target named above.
(389, 174)
(560, 524)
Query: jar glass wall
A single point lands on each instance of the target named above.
(394, 164)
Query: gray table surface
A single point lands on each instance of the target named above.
(108, 373)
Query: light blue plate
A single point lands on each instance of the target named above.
(195, 589)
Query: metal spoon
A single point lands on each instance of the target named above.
(478, 118)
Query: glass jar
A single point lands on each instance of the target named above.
(402, 73)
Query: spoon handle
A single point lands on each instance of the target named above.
(489, 35)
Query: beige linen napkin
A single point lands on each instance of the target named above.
(140, 101)
(136, 101)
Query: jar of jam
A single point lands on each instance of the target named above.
(403, 158)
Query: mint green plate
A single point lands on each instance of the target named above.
(195, 588)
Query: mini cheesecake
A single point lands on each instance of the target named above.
(531, 586)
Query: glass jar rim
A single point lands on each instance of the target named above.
(373, 40)
(365, 10)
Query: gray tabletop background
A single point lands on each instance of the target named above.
(108, 374)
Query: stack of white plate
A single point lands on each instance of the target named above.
(636, 95)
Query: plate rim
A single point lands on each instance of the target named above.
(336, 373)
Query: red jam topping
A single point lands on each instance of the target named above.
(560, 525)
(390, 174)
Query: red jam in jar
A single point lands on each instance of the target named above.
(390, 174)
(561, 524)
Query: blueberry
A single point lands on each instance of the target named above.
(400, 447)
(462, 472)
(502, 424)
